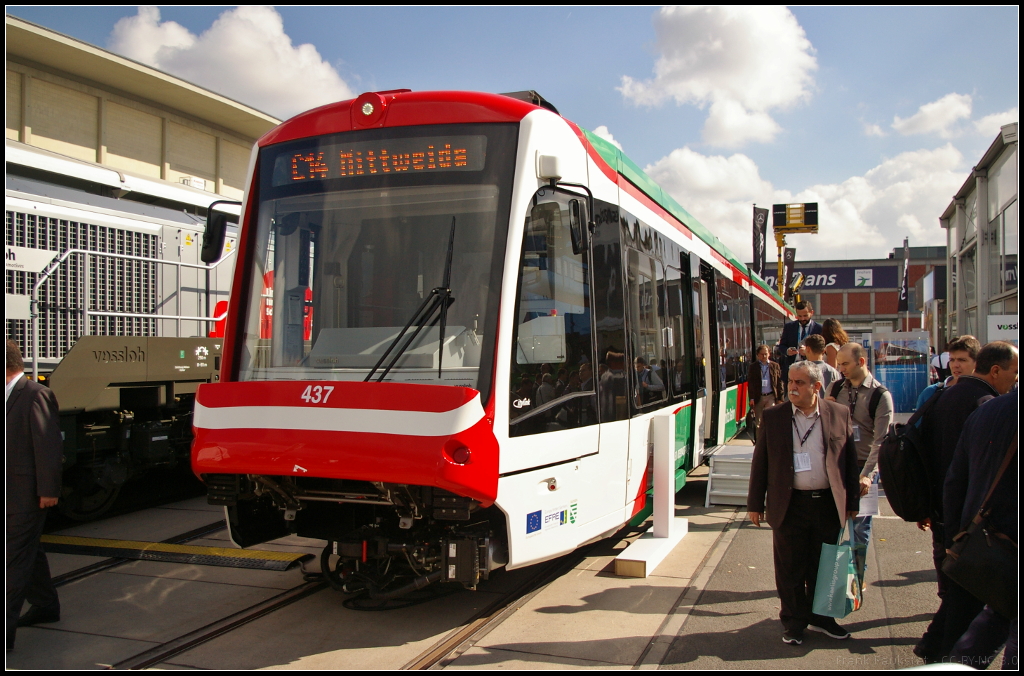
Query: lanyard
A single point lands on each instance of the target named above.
(807, 435)
(854, 393)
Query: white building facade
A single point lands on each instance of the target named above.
(982, 232)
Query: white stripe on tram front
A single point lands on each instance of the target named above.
(362, 420)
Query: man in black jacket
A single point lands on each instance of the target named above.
(34, 454)
(983, 446)
(994, 373)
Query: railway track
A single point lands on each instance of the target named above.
(440, 654)
(461, 639)
(107, 564)
(186, 642)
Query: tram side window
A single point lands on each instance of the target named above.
(552, 376)
(768, 323)
(610, 313)
(733, 330)
(679, 379)
(643, 275)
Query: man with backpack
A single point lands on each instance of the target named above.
(961, 356)
(871, 412)
(995, 373)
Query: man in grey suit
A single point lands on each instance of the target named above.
(805, 464)
(34, 453)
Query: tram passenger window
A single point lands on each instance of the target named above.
(644, 325)
(679, 368)
(552, 374)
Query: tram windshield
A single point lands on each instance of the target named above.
(352, 235)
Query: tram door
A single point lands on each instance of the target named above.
(703, 324)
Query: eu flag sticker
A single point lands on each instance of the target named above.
(533, 522)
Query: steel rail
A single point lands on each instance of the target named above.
(186, 642)
(462, 638)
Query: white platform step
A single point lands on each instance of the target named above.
(729, 476)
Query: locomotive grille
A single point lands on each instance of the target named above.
(106, 285)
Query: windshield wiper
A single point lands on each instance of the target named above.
(434, 304)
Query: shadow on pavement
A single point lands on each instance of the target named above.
(910, 577)
(763, 641)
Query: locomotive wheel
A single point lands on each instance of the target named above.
(86, 502)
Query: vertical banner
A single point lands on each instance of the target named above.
(904, 305)
(788, 265)
(760, 232)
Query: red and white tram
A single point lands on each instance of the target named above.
(453, 317)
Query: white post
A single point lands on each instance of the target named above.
(643, 556)
(664, 474)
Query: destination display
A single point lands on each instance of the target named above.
(392, 156)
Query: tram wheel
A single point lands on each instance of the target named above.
(335, 576)
(85, 503)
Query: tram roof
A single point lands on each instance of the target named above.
(402, 107)
(629, 170)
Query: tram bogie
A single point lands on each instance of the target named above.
(423, 531)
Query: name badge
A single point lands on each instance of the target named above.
(765, 384)
(856, 433)
(801, 462)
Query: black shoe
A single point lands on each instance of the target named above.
(37, 615)
(793, 637)
(831, 628)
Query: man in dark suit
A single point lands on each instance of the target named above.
(764, 382)
(805, 462)
(34, 454)
(988, 436)
(995, 373)
(793, 333)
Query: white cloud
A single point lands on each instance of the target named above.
(244, 55)
(873, 130)
(741, 61)
(990, 124)
(937, 117)
(862, 217)
(603, 132)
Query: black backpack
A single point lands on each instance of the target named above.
(904, 468)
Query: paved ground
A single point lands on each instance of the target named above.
(735, 625)
(721, 616)
(710, 605)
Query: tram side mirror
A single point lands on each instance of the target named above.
(215, 234)
(576, 229)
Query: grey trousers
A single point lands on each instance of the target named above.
(28, 573)
(765, 401)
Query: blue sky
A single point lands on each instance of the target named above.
(876, 113)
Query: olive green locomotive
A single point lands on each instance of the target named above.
(126, 409)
